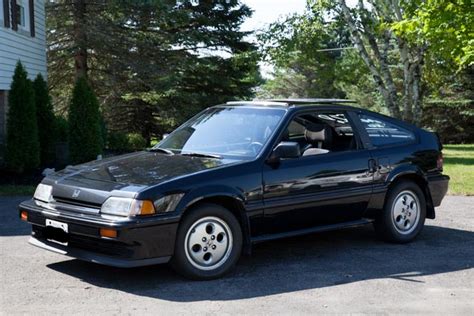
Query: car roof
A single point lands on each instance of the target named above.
(286, 103)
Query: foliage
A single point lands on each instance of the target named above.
(120, 142)
(117, 142)
(450, 108)
(355, 80)
(61, 129)
(46, 121)
(22, 152)
(136, 141)
(85, 136)
(300, 49)
(459, 165)
(14, 190)
(152, 63)
(446, 25)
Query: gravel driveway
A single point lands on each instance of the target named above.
(346, 271)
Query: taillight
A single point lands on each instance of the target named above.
(439, 162)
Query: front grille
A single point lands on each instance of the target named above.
(69, 205)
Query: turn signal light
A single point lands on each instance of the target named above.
(24, 216)
(108, 232)
(147, 207)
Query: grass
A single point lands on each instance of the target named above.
(459, 165)
(12, 190)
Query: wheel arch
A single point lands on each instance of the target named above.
(413, 174)
(229, 200)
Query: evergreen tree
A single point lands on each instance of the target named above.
(46, 121)
(22, 153)
(151, 63)
(85, 136)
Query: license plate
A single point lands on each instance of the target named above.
(56, 224)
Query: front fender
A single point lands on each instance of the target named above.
(211, 191)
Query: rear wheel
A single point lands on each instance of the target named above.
(403, 216)
(208, 244)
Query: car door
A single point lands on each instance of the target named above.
(317, 190)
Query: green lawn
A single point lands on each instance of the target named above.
(11, 190)
(459, 165)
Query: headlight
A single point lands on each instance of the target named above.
(127, 207)
(131, 207)
(43, 193)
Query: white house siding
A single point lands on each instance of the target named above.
(20, 45)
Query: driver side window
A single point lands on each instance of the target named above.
(321, 132)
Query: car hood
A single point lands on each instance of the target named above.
(131, 172)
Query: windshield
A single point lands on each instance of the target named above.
(225, 131)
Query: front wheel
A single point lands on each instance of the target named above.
(208, 244)
(403, 216)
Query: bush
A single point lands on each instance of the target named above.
(46, 121)
(120, 142)
(136, 141)
(61, 129)
(85, 136)
(453, 121)
(22, 152)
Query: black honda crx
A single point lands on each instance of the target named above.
(238, 174)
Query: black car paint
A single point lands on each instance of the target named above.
(271, 201)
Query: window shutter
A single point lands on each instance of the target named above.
(6, 13)
(14, 14)
(31, 6)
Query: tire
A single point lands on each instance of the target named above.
(404, 213)
(208, 243)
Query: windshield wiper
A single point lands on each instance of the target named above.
(194, 154)
(163, 150)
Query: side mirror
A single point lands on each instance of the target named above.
(284, 150)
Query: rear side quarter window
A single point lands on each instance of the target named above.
(383, 133)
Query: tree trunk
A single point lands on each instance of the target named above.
(417, 89)
(80, 38)
(382, 78)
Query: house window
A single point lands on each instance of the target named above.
(2, 13)
(22, 15)
(20, 11)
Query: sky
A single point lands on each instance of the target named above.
(268, 11)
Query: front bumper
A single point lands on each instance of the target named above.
(139, 242)
(438, 186)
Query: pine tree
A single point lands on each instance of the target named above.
(46, 121)
(22, 152)
(85, 137)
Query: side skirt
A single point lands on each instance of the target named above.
(317, 229)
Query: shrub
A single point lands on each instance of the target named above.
(136, 141)
(46, 121)
(453, 121)
(61, 129)
(22, 152)
(120, 142)
(85, 137)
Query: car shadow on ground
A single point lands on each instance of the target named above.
(294, 264)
